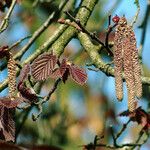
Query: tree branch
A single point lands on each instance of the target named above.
(96, 59)
(83, 15)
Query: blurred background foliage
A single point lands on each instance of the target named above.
(75, 114)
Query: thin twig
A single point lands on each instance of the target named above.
(18, 42)
(122, 129)
(5, 21)
(137, 13)
(138, 139)
(109, 30)
(91, 146)
(118, 146)
(93, 69)
(36, 116)
(113, 136)
(92, 35)
(40, 103)
(27, 111)
(50, 92)
(115, 145)
(144, 26)
(3, 66)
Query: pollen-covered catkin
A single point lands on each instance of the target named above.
(126, 59)
(129, 74)
(11, 65)
(118, 61)
(136, 64)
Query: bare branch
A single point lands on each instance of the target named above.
(5, 21)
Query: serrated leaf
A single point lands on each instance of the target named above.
(77, 74)
(56, 74)
(7, 124)
(43, 66)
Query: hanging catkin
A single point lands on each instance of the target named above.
(128, 72)
(11, 65)
(118, 61)
(126, 58)
(136, 64)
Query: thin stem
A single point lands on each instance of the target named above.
(144, 26)
(50, 92)
(92, 35)
(18, 42)
(122, 129)
(5, 21)
(137, 13)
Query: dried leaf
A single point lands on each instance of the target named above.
(9, 102)
(77, 74)
(43, 66)
(138, 115)
(7, 124)
(3, 51)
(64, 71)
(27, 93)
(65, 75)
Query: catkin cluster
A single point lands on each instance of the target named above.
(126, 59)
